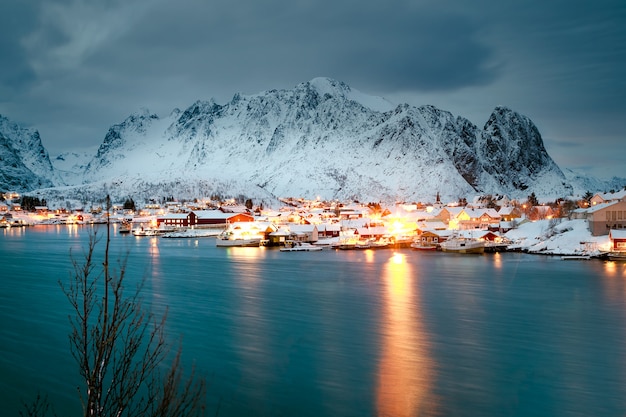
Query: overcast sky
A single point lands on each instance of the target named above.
(73, 68)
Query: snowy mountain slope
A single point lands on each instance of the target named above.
(324, 138)
(321, 138)
(25, 164)
(70, 166)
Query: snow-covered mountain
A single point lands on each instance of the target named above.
(583, 183)
(24, 162)
(321, 138)
(70, 166)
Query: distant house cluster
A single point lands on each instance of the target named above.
(606, 212)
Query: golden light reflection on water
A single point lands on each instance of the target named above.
(153, 250)
(614, 280)
(72, 230)
(615, 269)
(253, 332)
(405, 374)
(155, 270)
(497, 260)
(245, 253)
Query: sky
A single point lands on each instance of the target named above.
(73, 68)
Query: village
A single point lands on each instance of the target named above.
(594, 226)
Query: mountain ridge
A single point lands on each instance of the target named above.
(321, 138)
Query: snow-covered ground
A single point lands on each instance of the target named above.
(557, 237)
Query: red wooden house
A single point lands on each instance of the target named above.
(618, 240)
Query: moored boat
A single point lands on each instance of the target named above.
(145, 231)
(363, 244)
(229, 239)
(423, 247)
(221, 242)
(346, 244)
(300, 247)
(125, 227)
(463, 245)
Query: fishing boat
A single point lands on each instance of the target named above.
(293, 246)
(125, 227)
(363, 244)
(146, 231)
(381, 243)
(228, 239)
(463, 245)
(346, 244)
(423, 246)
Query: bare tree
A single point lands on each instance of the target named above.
(121, 348)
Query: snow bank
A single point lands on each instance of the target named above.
(557, 237)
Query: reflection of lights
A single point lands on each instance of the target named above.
(497, 260)
(252, 336)
(247, 253)
(153, 249)
(72, 229)
(397, 258)
(610, 268)
(405, 371)
(369, 256)
(615, 269)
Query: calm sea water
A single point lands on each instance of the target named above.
(337, 333)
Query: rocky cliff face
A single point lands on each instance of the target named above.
(323, 138)
(24, 163)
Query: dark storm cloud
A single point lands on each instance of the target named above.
(386, 46)
(15, 23)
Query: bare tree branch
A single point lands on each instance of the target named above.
(121, 349)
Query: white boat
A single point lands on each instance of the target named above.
(146, 231)
(220, 242)
(300, 246)
(463, 245)
(575, 257)
(363, 244)
(228, 239)
(379, 244)
(417, 245)
(125, 227)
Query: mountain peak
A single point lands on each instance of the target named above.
(322, 138)
(324, 85)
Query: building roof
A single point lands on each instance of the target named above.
(612, 196)
(601, 206)
(480, 212)
(617, 234)
(174, 216)
(217, 214)
(302, 228)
